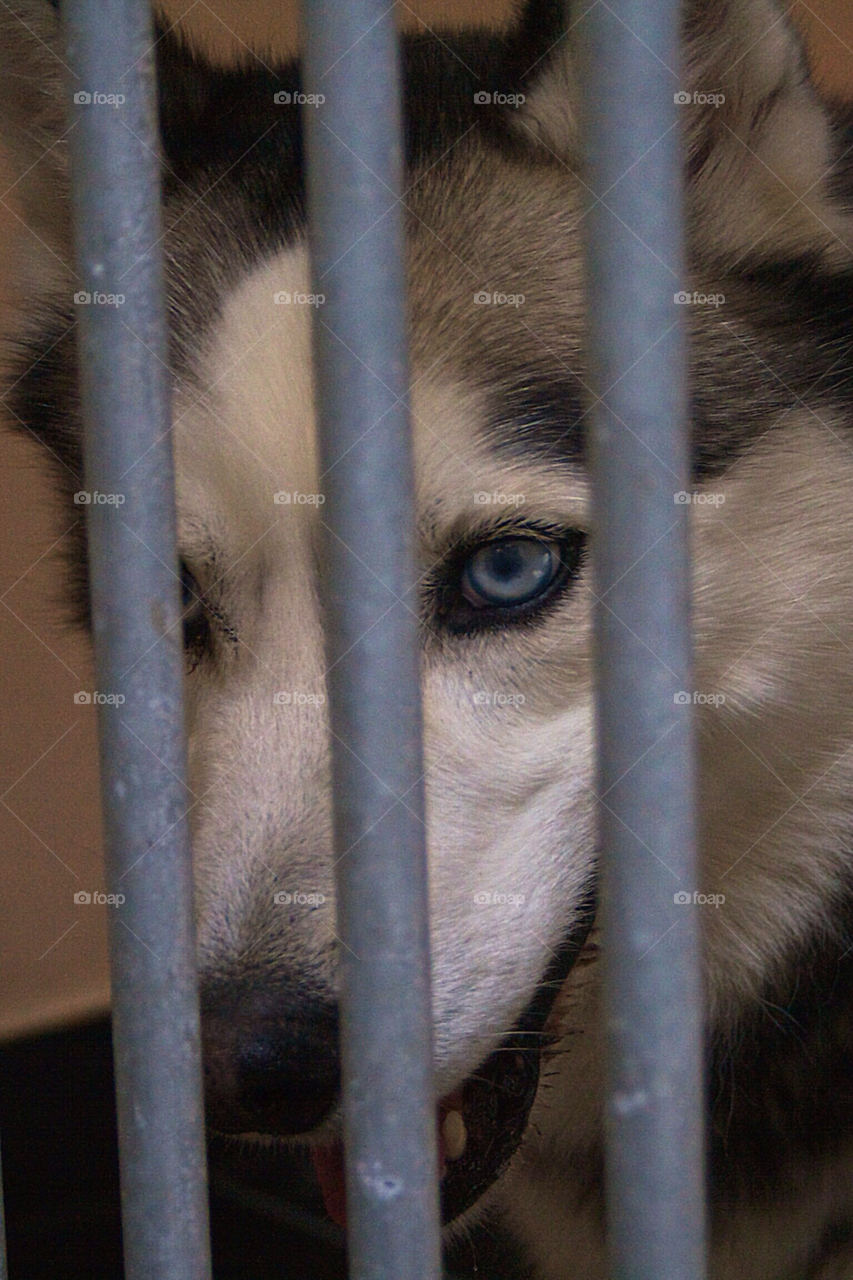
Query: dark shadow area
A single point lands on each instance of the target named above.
(60, 1166)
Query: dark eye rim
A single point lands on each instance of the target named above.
(457, 615)
(195, 615)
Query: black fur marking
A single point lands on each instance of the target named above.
(841, 114)
(234, 165)
(780, 1090)
(781, 342)
(541, 420)
(234, 170)
(234, 157)
(45, 406)
(782, 1083)
(809, 313)
(225, 121)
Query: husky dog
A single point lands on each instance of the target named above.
(495, 204)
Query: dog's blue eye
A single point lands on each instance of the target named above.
(509, 571)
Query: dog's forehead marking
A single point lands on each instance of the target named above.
(497, 310)
(506, 226)
(251, 436)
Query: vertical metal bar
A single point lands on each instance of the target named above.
(134, 590)
(641, 469)
(355, 174)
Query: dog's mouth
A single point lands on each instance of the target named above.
(480, 1127)
(481, 1124)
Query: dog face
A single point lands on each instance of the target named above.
(499, 401)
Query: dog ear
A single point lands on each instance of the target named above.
(36, 95)
(759, 143)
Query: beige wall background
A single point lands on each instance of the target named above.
(52, 951)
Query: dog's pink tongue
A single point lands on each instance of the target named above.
(329, 1166)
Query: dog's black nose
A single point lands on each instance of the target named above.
(271, 1061)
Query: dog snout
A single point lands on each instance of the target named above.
(271, 1061)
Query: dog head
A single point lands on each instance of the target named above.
(495, 205)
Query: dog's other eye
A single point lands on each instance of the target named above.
(509, 572)
(195, 618)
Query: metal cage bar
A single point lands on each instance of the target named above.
(355, 175)
(135, 602)
(641, 482)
